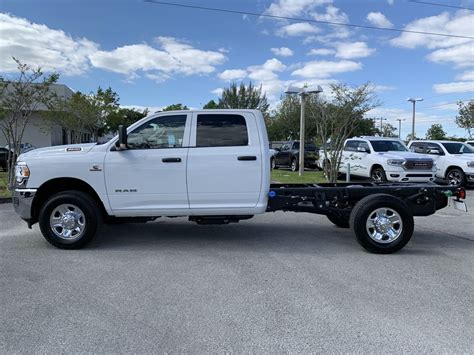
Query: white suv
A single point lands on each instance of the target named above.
(454, 160)
(385, 159)
(471, 143)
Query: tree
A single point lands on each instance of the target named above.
(125, 117)
(465, 118)
(176, 107)
(365, 127)
(337, 120)
(211, 105)
(388, 131)
(244, 97)
(81, 113)
(19, 98)
(436, 132)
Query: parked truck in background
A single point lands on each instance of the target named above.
(212, 166)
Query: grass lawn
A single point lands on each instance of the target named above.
(288, 177)
(3, 185)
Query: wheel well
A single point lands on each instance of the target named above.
(54, 186)
(449, 168)
(376, 166)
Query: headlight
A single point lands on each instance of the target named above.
(21, 172)
(396, 162)
(470, 164)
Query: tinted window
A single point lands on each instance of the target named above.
(221, 131)
(388, 146)
(351, 146)
(307, 146)
(161, 132)
(458, 148)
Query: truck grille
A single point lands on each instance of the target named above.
(419, 164)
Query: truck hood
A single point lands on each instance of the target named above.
(70, 149)
(403, 155)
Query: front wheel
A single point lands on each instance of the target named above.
(69, 220)
(456, 177)
(383, 224)
(378, 175)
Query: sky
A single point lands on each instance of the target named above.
(155, 55)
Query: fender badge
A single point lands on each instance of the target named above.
(74, 149)
(95, 168)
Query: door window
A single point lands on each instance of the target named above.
(351, 146)
(221, 130)
(160, 132)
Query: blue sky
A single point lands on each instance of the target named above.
(154, 55)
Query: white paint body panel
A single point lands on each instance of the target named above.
(207, 181)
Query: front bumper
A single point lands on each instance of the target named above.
(22, 202)
(410, 176)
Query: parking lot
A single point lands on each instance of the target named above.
(276, 283)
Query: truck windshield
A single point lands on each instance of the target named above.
(458, 148)
(388, 146)
(307, 146)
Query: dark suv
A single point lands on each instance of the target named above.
(288, 156)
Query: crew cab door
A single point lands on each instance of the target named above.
(224, 161)
(150, 176)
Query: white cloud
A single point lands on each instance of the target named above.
(140, 108)
(232, 74)
(332, 14)
(321, 51)
(282, 51)
(217, 92)
(351, 50)
(467, 76)
(461, 55)
(383, 88)
(323, 69)
(173, 57)
(454, 87)
(39, 45)
(378, 19)
(458, 23)
(298, 29)
(291, 8)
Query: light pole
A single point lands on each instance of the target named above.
(413, 100)
(400, 126)
(381, 124)
(303, 92)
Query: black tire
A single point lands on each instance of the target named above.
(378, 174)
(294, 165)
(339, 221)
(365, 209)
(273, 165)
(90, 217)
(456, 177)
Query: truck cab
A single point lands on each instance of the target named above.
(385, 159)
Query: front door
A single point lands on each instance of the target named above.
(149, 177)
(224, 161)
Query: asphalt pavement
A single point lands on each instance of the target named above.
(281, 282)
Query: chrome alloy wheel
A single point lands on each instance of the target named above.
(454, 178)
(384, 225)
(67, 221)
(377, 176)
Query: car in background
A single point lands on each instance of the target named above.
(287, 156)
(454, 160)
(385, 159)
(3, 159)
(471, 143)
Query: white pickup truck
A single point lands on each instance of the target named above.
(454, 160)
(212, 166)
(385, 159)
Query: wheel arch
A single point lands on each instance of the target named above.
(451, 167)
(56, 185)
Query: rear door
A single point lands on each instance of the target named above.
(224, 161)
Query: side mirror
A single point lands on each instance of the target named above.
(362, 150)
(122, 141)
(434, 151)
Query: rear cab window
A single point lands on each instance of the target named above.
(221, 130)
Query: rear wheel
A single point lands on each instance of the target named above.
(383, 224)
(456, 177)
(294, 165)
(69, 220)
(378, 175)
(341, 222)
